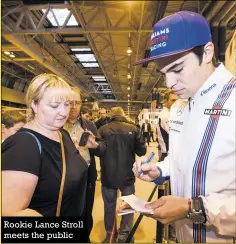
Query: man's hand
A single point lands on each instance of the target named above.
(149, 170)
(91, 143)
(168, 209)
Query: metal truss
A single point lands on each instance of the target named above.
(12, 71)
(27, 24)
(37, 27)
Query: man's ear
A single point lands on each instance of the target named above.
(34, 107)
(3, 128)
(208, 53)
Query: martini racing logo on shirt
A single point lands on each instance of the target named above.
(208, 89)
(217, 111)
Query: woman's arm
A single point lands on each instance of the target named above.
(17, 190)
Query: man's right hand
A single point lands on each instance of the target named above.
(150, 171)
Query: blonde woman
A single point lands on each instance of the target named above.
(32, 160)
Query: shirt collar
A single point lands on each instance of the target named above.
(217, 78)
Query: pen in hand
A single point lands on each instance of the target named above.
(149, 159)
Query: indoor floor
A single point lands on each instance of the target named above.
(146, 231)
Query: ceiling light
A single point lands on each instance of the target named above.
(12, 55)
(128, 88)
(129, 51)
(86, 99)
(7, 53)
(129, 76)
(128, 95)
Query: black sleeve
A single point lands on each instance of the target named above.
(140, 147)
(20, 152)
(142, 128)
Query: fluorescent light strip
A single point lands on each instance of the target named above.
(90, 65)
(81, 49)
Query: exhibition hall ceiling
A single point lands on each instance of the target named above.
(94, 44)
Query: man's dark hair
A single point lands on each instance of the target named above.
(10, 118)
(199, 51)
(85, 110)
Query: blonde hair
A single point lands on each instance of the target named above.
(117, 111)
(38, 87)
(76, 93)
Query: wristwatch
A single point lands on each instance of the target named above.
(195, 213)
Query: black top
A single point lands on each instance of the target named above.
(102, 121)
(21, 152)
(123, 140)
(99, 151)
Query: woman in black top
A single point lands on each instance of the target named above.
(32, 158)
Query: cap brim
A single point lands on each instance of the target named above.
(146, 60)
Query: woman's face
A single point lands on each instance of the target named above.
(53, 109)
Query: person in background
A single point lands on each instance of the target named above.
(12, 121)
(76, 125)
(163, 124)
(104, 119)
(146, 131)
(162, 130)
(123, 141)
(202, 148)
(86, 113)
(153, 131)
(138, 125)
(32, 158)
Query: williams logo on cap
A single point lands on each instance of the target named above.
(177, 33)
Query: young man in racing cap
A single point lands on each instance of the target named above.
(201, 160)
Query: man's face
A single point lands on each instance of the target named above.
(75, 106)
(103, 113)
(6, 132)
(182, 74)
(87, 116)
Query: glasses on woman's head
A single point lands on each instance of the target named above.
(75, 103)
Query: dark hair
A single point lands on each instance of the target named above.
(10, 118)
(199, 51)
(85, 110)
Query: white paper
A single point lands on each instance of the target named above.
(137, 204)
(126, 211)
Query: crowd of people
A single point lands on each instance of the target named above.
(196, 136)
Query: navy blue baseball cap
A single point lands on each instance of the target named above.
(177, 33)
